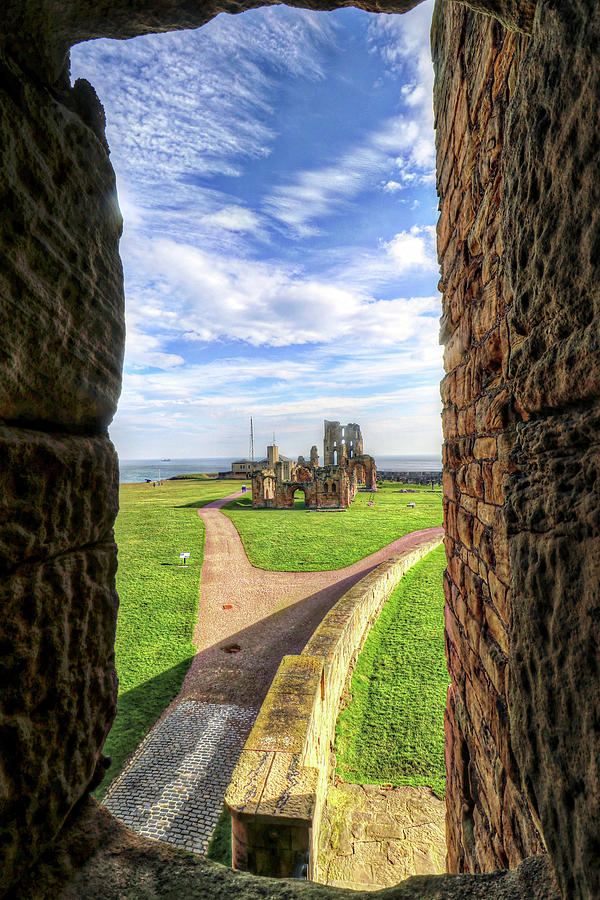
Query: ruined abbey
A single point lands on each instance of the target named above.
(331, 486)
(517, 98)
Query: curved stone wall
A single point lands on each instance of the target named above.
(278, 787)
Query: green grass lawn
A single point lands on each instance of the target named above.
(299, 540)
(159, 602)
(393, 728)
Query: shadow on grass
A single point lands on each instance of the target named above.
(244, 504)
(137, 711)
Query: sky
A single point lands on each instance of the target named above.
(275, 171)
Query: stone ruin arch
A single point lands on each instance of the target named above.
(362, 469)
(516, 101)
(305, 489)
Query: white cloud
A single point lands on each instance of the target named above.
(403, 43)
(233, 218)
(216, 399)
(404, 144)
(196, 101)
(144, 350)
(413, 249)
(310, 196)
(202, 296)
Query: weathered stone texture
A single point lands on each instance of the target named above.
(489, 824)
(61, 345)
(551, 222)
(552, 214)
(373, 836)
(554, 528)
(61, 320)
(98, 858)
(51, 29)
(58, 693)
(57, 491)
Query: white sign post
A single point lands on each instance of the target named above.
(184, 556)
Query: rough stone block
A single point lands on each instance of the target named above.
(485, 448)
(246, 786)
(290, 792)
(497, 629)
(465, 527)
(554, 535)
(60, 271)
(57, 492)
(474, 480)
(59, 693)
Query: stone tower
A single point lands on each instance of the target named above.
(341, 442)
(352, 440)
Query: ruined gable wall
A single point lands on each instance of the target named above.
(489, 823)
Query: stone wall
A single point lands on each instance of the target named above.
(489, 822)
(61, 343)
(551, 225)
(323, 487)
(278, 788)
(518, 239)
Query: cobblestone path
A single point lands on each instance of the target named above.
(173, 787)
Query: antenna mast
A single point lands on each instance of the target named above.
(252, 443)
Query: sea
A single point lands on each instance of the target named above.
(135, 470)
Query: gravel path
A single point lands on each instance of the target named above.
(248, 619)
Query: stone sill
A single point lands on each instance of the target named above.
(98, 858)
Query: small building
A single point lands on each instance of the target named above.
(243, 468)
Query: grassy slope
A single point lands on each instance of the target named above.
(392, 729)
(305, 541)
(159, 602)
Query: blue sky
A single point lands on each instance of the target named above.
(276, 176)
